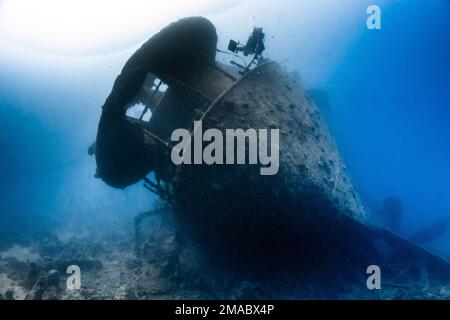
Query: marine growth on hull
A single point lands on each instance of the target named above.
(304, 214)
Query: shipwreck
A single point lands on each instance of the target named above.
(308, 212)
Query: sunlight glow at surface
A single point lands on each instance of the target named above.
(90, 27)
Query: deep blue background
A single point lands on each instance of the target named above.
(389, 110)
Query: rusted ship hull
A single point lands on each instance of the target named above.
(308, 210)
(310, 194)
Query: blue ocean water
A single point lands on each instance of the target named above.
(391, 103)
(389, 108)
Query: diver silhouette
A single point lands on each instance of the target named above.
(392, 213)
